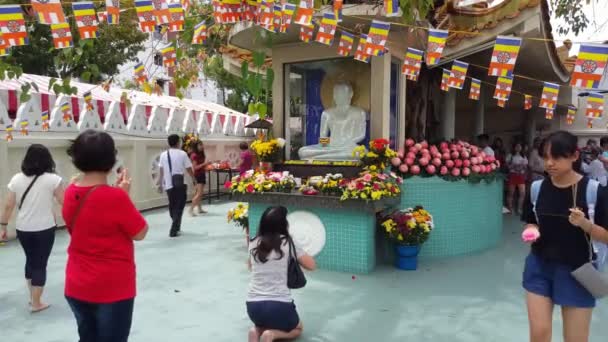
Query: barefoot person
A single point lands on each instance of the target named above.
(561, 242)
(198, 158)
(103, 223)
(269, 303)
(33, 191)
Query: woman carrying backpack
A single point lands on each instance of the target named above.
(33, 191)
(269, 303)
(561, 232)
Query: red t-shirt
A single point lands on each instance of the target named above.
(101, 260)
(197, 163)
(246, 161)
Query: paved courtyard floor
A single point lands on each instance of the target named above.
(193, 289)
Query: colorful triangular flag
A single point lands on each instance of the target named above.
(86, 19)
(161, 12)
(475, 90)
(361, 54)
(12, 25)
(377, 37)
(549, 113)
(113, 11)
(88, 100)
(287, 15)
(527, 101)
(590, 65)
(45, 121)
(327, 29)
(571, 115)
(24, 127)
(200, 33)
(177, 17)
(504, 56)
(436, 43)
(306, 33)
(347, 41)
(412, 63)
(62, 36)
(595, 106)
(337, 7)
(277, 17)
(458, 74)
(445, 78)
(169, 56)
(503, 88)
(250, 10)
(48, 11)
(266, 15)
(549, 95)
(391, 8)
(9, 133)
(140, 73)
(145, 14)
(305, 12)
(66, 114)
(231, 11)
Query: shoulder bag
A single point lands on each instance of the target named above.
(27, 191)
(295, 275)
(176, 180)
(79, 208)
(588, 275)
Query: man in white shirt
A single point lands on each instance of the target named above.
(484, 142)
(174, 163)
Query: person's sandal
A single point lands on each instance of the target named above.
(40, 309)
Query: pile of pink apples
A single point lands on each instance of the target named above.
(458, 159)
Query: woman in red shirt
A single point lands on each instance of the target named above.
(197, 155)
(102, 222)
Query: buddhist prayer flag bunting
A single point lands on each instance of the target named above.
(503, 88)
(186, 6)
(266, 17)
(391, 8)
(217, 11)
(436, 43)
(445, 78)
(571, 115)
(377, 37)
(177, 18)
(361, 54)
(140, 73)
(458, 74)
(200, 33)
(250, 9)
(113, 11)
(62, 36)
(347, 41)
(305, 12)
(412, 64)
(161, 12)
(504, 56)
(277, 17)
(231, 11)
(501, 103)
(549, 95)
(24, 127)
(9, 133)
(102, 16)
(145, 14)
(549, 113)
(595, 106)
(65, 112)
(327, 29)
(589, 123)
(45, 120)
(306, 33)
(590, 65)
(86, 19)
(338, 4)
(48, 11)
(12, 25)
(475, 91)
(88, 99)
(527, 101)
(287, 15)
(4, 48)
(169, 56)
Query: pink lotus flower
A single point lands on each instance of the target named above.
(413, 150)
(437, 162)
(476, 168)
(367, 177)
(466, 163)
(458, 163)
(474, 161)
(443, 145)
(449, 164)
(455, 155)
(455, 172)
(431, 169)
(443, 170)
(403, 168)
(446, 156)
(474, 150)
(423, 161)
(466, 171)
(418, 146)
(396, 161)
(415, 169)
(409, 142)
(409, 161)
(411, 155)
(424, 144)
(465, 155)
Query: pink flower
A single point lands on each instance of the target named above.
(367, 177)
(437, 162)
(415, 169)
(409, 142)
(446, 156)
(360, 186)
(455, 172)
(431, 169)
(466, 171)
(376, 186)
(381, 176)
(423, 161)
(228, 185)
(444, 170)
(396, 161)
(250, 188)
(403, 168)
(449, 164)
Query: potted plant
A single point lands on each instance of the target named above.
(240, 216)
(408, 229)
(267, 152)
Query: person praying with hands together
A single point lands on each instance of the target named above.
(560, 232)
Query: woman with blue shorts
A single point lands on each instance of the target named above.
(561, 242)
(269, 303)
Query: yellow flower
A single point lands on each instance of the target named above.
(373, 168)
(376, 195)
(400, 237)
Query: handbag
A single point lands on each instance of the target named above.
(27, 191)
(177, 180)
(295, 275)
(80, 204)
(588, 275)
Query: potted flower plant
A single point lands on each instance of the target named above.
(240, 216)
(408, 229)
(267, 152)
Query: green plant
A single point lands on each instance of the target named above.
(257, 84)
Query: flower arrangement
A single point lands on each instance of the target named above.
(189, 141)
(451, 161)
(372, 186)
(378, 156)
(330, 185)
(268, 151)
(239, 215)
(323, 163)
(251, 182)
(408, 227)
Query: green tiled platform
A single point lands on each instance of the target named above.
(350, 237)
(468, 217)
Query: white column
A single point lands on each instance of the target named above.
(480, 112)
(448, 115)
(401, 109)
(380, 99)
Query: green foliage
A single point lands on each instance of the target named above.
(415, 9)
(258, 84)
(569, 11)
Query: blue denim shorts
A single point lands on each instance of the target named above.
(553, 280)
(273, 315)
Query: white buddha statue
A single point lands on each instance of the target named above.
(345, 124)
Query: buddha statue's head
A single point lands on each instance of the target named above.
(343, 94)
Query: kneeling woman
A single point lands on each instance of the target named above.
(563, 236)
(269, 302)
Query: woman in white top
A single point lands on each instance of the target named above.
(518, 167)
(595, 169)
(269, 303)
(32, 191)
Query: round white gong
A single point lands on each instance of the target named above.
(307, 231)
